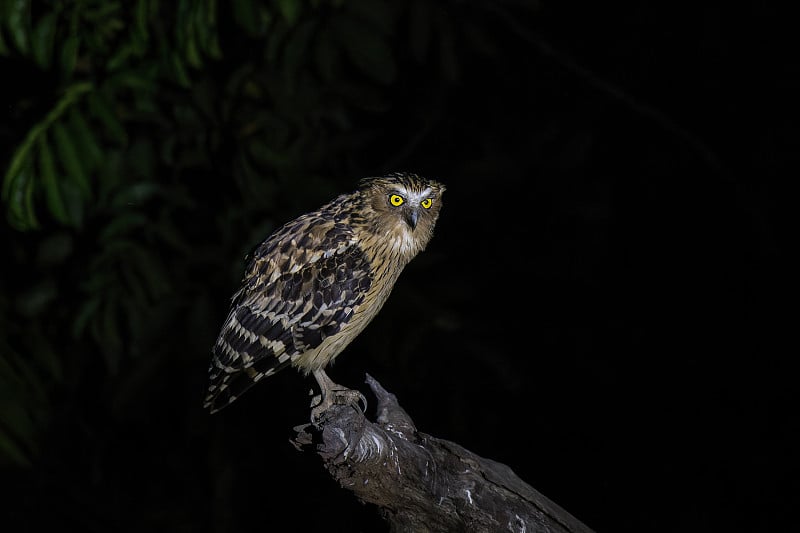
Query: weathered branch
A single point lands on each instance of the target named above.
(421, 483)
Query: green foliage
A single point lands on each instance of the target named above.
(160, 148)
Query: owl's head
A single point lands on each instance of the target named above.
(405, 208)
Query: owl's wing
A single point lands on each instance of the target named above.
(302, 286)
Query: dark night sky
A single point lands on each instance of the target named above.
(653, 377)
(609, 328)
(601, 308)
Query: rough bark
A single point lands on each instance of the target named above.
(421, 483)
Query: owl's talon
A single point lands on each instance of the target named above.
(350, 397)
(362, 400)
(320, 405)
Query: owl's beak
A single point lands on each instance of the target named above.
(411, 216)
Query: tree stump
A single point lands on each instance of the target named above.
(421, 483)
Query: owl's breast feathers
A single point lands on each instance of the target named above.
(304, 284)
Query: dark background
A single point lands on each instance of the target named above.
(601, 308)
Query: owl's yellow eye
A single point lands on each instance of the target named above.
(426, 203)
(396, 200)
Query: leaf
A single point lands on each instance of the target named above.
(18, 22)
(122, 224)
(43, 39)
(11, 450)
(134, 285)
(18, 182)
(85, 141)
(290, 10)
(207, 16)
(74, 202)
(140, 27)
(152, 272)
(85, 314)
(274, 42)
(101, 109)
(262, 154)
(172, 236)
(52, 191)
(20, 156)
(252, 17)
(379, 14)
(120, 58)
(101, 277)
(37, 299)
(69, 54)
(12, 175)
(19, 420)
(179, 72)
(187, 33)
(180, 22)
(55, 249)
(135, 194)
(103, 12)
(48, 361)
(366, 49)
(144, 161)
(19, 195)
(68, 156)
(294, 53)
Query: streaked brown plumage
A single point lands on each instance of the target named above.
(314, 284)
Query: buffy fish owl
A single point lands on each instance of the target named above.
(313, 285)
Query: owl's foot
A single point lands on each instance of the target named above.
(332, 394)
(322, 402)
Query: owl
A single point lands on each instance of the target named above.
(313, 285)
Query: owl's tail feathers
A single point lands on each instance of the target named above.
(226, 384)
